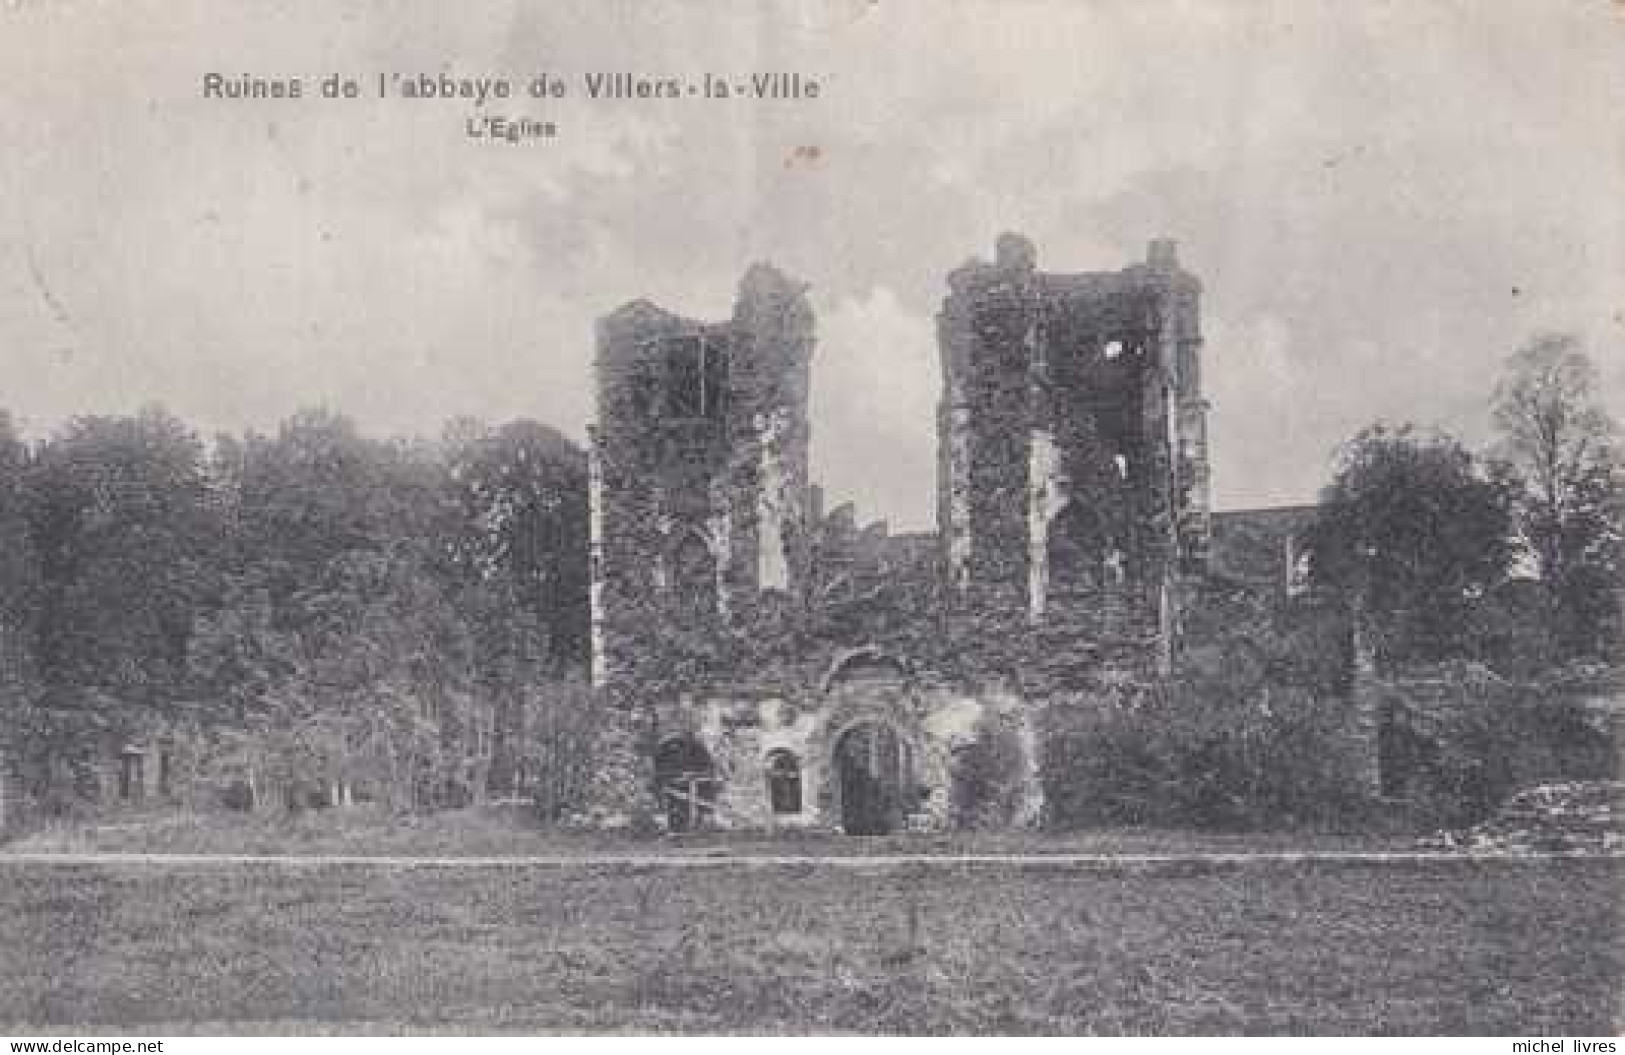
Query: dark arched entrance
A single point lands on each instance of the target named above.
(687, 783)
(871, 764)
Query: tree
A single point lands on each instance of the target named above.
(120, 521)
(521, 493)
(336, 658)
(397, 615)
(19, 587)
(319, 490)
(519, 560)
(1414, 535)
(108, 541)
(1557, 440)
(365, 684)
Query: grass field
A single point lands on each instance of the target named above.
(514, 832)
(1496, 947)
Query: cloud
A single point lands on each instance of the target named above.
(1381, 201)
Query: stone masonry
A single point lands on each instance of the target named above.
(768, 666)
(1073, 475)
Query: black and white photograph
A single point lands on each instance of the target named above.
(812, 518)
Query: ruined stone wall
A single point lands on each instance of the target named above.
(986, 331)
(934, 726)
(1065, 400)
(1072, 450)
(699, 468)
(1459, 728)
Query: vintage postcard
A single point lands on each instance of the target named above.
(863, 517)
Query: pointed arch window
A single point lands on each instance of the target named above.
(1077, 549)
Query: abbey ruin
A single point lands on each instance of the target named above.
(776, 664)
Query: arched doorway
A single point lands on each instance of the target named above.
(687, 783)
(872, 767)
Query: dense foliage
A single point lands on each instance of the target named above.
(1254, 731)
(1558, 447)
(310, 616)
(1456, 743)
(1415, 535)
(1512, 559)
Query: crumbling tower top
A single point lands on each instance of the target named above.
(1163, 253)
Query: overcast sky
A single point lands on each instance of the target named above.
(1382, 201)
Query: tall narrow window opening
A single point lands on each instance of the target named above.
(696, 378)
(784, 782)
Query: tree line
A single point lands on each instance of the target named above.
(1509, 557)
(315, 615)
(312, 614)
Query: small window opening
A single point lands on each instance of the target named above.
(131, 776)
(784, 782)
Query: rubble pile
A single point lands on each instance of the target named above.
(1576, 816)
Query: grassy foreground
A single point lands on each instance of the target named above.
(498, 832)
(1496, 947)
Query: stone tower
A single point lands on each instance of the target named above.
(698, 464)
(1072, 462)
